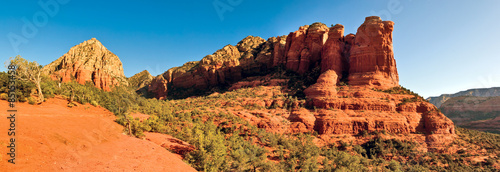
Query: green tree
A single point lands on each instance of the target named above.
(29, 71)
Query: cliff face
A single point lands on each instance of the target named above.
(91, 62)
(371, 59)
(479, 92)
(367, 58)
(371, 101)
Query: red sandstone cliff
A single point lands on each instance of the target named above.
(365, 60)
(91, 62)
(371, 59)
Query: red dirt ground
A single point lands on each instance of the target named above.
(54, 137)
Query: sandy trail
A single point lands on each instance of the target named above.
(54, 137)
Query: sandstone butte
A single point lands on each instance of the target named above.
(90, 62)
(365, 60)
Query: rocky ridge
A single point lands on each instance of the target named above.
(478, 92)
(140, 80)
(365, 59)
(91, 62)
(358, 89)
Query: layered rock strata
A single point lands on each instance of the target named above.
(364, 59)
(90, 62)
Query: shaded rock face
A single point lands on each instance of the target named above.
(91, 62)
(140, 80)
(365, 59)
(333, 57)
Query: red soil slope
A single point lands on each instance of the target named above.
(54, 137)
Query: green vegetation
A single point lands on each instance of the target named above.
(297, 83)
(410, 100)
(400, 90)
(30, 72)
(473, 115)
(317, 24)
(378, 147)
(23, 88)
(490, 141)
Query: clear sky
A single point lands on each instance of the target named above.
(440, 46)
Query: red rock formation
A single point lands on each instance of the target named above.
(316, 37)
(325, 87)
(371, 58)
(160, 87)
(366, 59)
(435, 121)
(303, 47)
(332, 57)
(294, 46)
(91, 62)
(279, 50)
(303, 116)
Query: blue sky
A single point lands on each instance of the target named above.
(440, 46)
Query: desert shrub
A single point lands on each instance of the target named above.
(4, 96)
(94, 103)
(49, 87)
(133, 126)
(394, 166)
(379, 147)
(489, 141)
(410, 100)
(346, 162)
(71, 104)
(398, 90)
(31, 100)
(23, 88)
(247, 156)
(303, 154)
(299, 82)
(360, 150)
(211, 152)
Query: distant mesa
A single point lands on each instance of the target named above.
(478, 92)
(90, 62)
(477, 109)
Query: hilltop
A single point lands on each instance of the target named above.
(91, 62)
